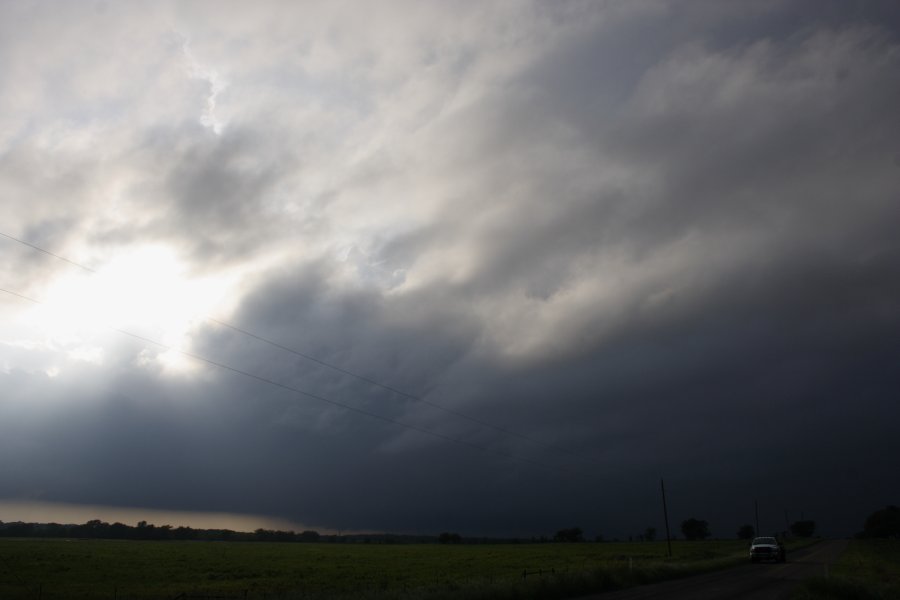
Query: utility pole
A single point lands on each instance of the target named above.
(662, 486)
(756, 510)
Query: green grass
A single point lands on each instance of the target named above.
(83, 569)
(867, 570)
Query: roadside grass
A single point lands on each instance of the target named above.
(867, 570)
(107, 569)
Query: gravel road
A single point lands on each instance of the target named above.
(748, 582)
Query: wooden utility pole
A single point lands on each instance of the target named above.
(756, 510)
(662, 485)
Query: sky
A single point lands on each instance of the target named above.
(495, 268)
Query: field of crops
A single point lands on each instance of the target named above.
(868, 570)
(103, 569)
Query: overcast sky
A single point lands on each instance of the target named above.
(567, 248)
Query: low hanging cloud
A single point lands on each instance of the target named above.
(593, 243)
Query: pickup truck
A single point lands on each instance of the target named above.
(767, 548)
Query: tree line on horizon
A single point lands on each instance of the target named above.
(883, 523)
(97, 529)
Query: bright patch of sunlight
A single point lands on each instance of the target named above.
(147, 292)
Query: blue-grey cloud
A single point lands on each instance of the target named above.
(652, 241)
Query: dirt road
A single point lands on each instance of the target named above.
(748, 582)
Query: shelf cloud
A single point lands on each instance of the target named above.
(492, 268)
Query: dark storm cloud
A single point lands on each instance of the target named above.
(660, 240)
(410, 343)
(785, 148)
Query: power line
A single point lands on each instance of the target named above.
(54, 255)
(342, 370)
(391, 389)
(272, 382)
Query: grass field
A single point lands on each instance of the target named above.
(104, 569)
(868, 570)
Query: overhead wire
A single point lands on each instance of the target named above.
(342, 370)
(392, 389)
(311, 395)
(47, 252)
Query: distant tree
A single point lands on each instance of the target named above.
(803, 528)
(599, 538)
(118, 530)
(746, 532)
(650, 534)
(884, 523)
(695, 529)
(449, 538)
(18, 529)
(141, 532)
(309, 536)
(572, 534)
(95, 528)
